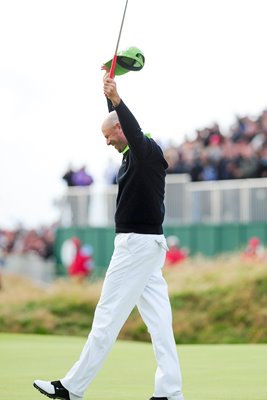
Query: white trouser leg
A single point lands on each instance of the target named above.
(154, 307)
(135, 259)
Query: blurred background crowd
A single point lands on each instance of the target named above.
(211, 155)
(239, 154)
(22, 241)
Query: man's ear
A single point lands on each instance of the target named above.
(118, 126)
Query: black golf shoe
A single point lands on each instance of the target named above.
(158, 398)
(54, 389)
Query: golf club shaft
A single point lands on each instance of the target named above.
(114, 60)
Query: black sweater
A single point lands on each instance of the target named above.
(141, 180)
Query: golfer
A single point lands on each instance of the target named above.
(134, 276)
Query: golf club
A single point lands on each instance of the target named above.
(114, 60)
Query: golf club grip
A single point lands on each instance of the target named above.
(112, 68)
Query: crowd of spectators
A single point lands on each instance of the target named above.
(22, 241)
(211, 155)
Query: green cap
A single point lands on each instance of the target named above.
(131, 59)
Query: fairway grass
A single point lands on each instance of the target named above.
(210, 372)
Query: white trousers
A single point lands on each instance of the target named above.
(134, 277)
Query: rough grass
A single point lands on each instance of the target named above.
(220, 300)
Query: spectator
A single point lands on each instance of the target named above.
(82, 178)
(171, 156)
(68, 176)
(247, 162)
(78, 209)
(49, 240)
(175, 254)
(82, 265)
(262, 165)
(254, 250)
(209, 169)
(214, 149)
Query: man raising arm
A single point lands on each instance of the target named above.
(134, 276)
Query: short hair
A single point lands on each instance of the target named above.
(111, 120)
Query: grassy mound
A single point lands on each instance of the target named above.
(221, 300)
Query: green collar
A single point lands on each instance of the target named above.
(148, 135)
(125, 150)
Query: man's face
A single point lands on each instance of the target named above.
(115, 137)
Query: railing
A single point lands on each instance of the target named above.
(242, 200)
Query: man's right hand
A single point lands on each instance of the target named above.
(110, 90)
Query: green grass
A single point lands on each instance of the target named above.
(210, 372)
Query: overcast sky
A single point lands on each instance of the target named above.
(205, 62)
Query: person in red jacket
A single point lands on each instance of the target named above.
(175, 254)
(254, 250)
(81, 265)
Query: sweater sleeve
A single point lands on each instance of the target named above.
(110, 105)
(139, 144)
